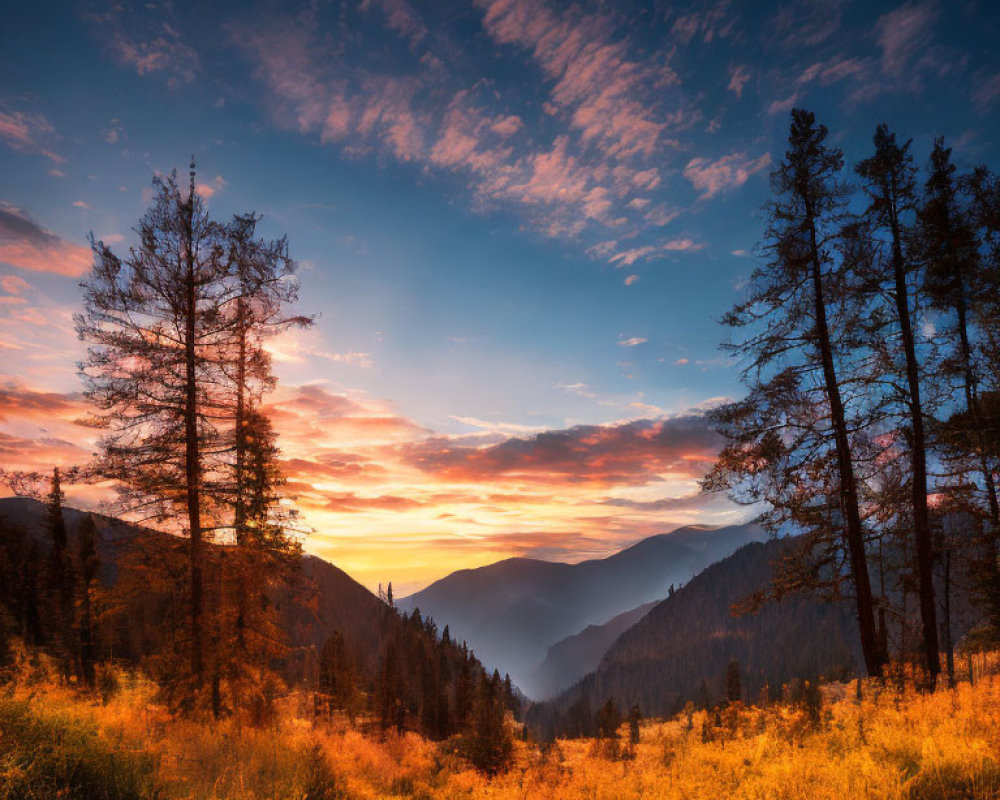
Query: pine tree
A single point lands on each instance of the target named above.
(790, 441)
(889, 180)
(734, 686)
(90, 565)
(153, 321)
(634, 720)
(60, 578)
(609, 719)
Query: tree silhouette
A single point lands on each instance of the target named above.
(789, 442)
(888, 178)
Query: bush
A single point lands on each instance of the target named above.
(951, 781)
(108, 682)
(55, 755)
(488, 754)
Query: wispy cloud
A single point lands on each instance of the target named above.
(986, 95)
(28, 132)
(594, 161)
(903, 34)
(401, 17)
(149, 43)
(26, 244)
(738, 77)
(710, 178)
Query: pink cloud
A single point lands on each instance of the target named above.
(209, 189)
(628, 454)
(597, 82)
(401, 17)
(626, 258)
(987, 93)
(712, 22)
(14, 285)
(902, 34)
(26, 244)
(28, 133)
(738, 77)
(610, 112)
(149, 43)
(729, 172)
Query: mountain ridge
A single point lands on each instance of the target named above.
(513, 610)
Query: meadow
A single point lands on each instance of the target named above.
(890, 743)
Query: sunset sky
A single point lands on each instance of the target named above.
(518, 223)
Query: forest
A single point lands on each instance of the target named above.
(186, 646)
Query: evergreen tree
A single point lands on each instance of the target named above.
(60, 578)
(790, 441)
(634, 720)
(153, 322)
(889, 181)
(734, 686)
(609, 719)
(89, 566)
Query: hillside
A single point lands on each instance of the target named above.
(679, 651)
(320, 599)
(571, 658)
(511, 612)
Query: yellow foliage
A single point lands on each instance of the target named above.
(892, 746)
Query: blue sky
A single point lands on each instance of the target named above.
(511, 216)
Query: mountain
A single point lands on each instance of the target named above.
(571, 658)
(319, 600)
(679, 651)
(511, 612)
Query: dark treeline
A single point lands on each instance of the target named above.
(353, 653)
(686, 648)
(428, 683)
(869, 343)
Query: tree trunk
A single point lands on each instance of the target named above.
(240, 505)
(949, 648)
(192, 455)
(921, 522)
(874, 657)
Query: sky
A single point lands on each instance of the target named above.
(517, 222)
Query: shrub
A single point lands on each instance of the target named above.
(49, 755)
(108, 682)
(954, 781)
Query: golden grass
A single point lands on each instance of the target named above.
(889, 745)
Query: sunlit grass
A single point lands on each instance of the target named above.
(886, 745)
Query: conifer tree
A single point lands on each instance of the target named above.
(89, 567)
(889, 181)
(152, 320)
(791, 441)
(734, 686)
(60, 577)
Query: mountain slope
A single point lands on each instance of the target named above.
(511, 612)
(571, 658)
(681, 648)
(319, 600)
